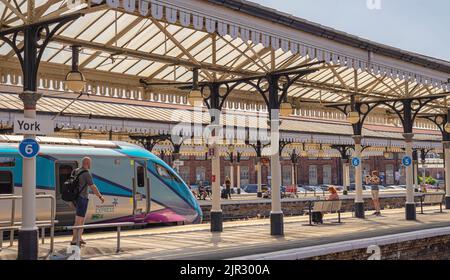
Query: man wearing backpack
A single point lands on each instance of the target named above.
(85, 183)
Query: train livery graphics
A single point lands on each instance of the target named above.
(137, 185)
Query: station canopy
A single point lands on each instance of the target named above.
(128, 42)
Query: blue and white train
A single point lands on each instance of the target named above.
(137, 185)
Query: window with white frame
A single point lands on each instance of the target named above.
(327, 175)
(313, 175)
(286, 173)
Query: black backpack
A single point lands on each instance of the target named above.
(70, 189)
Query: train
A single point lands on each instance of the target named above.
(137, 186)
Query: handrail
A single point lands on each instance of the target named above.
(13, 199)
(95, 226)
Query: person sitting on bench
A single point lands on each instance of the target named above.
(317, 217)
(333, 194)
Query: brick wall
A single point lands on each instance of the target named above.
(293, 207)
(433, 248)
(373, 163)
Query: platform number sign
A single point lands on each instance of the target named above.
(356, 161)
(407, 161)
(29, 148)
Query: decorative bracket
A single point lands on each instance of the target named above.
(35, 39)
(407, 109)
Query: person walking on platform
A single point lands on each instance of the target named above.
(228, 187)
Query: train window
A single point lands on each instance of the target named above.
(163, 172)
(140, 176)
(6, 182)
(7, 161)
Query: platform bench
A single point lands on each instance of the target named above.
(325, 206)
(431, 199)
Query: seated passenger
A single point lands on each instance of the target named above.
(333, 194)
(317, 217)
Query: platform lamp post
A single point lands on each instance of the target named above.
(258, 151)
(424, 169)
(294, 159)
(231, 156)
(238, 171)
(29, 51)
(415, 158)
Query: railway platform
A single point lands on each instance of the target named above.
(239, 238)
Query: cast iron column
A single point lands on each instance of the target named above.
(424, 170)
(293, 171)
(232, 170)
(258, 149)
(28, 233)
(345, 175)
(259, 176)
(416, 170)
(276, 215)
(216, 209)
(410, 204)
(359, 200)
(238, 172)
(447, 173)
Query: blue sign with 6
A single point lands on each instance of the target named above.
(356, 161)
(29, 148)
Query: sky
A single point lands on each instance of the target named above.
(421, 26)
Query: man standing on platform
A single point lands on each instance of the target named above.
(85, 181)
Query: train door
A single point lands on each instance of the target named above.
(141, 190)
(65, 213)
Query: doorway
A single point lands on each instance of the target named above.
(141, 190)
(65, 212)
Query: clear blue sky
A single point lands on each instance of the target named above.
(421, 26)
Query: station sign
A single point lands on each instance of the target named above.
(178, 163)
(29, 148)
(26, 126)
(356, 161)
(407, 161)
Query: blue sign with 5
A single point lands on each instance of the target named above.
(407, 161)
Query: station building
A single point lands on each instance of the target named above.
(117, 118)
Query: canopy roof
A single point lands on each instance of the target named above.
(163, 40)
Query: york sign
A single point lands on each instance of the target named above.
(33, 126)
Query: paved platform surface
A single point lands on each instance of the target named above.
(240, 238)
